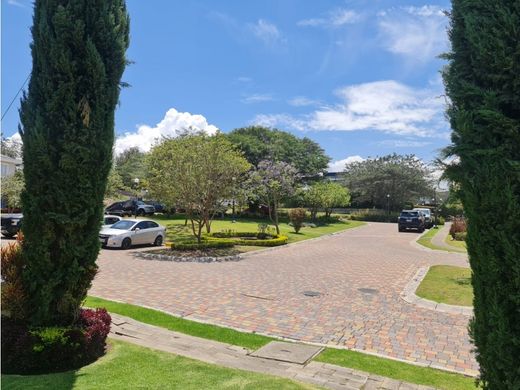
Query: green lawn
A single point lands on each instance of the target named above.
(351, 359)
(454, 243)
(177, 230)
(426, 240)
(447, 284)
(397, 370)
(128, 366)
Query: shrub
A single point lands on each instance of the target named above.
(53, 349)
(255, 239)
(297, 216)
(13, 293)
(275, 241)
(458, 226)
(441, 220)
(460, 236)
(206, 244)
(373, 217)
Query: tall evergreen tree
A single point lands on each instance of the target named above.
(67, 118)
(483, 84)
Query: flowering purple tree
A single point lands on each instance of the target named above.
(271, 182)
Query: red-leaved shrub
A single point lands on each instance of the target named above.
(42, 350)
(457, 226)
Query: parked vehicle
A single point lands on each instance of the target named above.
(11, 224)
(109, 220)
(159, 207)
(128, 232)
(427, 213)
(130, 207)
(411, 219)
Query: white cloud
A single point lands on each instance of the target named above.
(173, 124)
(335, 18)
(302, 101)
(257, 98)
(267, 32)
(339, 166)
(396, 143)
(244, 79)
(386, 106)
(416, 32)
(17, 3)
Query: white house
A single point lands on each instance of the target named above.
(10, 165)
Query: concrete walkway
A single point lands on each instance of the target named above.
(320, 374)
(438, 239)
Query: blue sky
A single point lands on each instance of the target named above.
(359, 77)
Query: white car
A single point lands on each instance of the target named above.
(109, 220)
(128, 232)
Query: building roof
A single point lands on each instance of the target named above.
(15, 161)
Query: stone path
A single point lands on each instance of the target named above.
(321, 374)
(359, 276)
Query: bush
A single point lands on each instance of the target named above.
(372, 217)
(255, 239)
(206, 244)
(13, 293)
(43, 350)
(441, 220)
(297, 216)
(458, 226)
(460, 236)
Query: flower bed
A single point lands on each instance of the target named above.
(28, 350)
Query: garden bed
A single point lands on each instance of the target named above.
(204, 255)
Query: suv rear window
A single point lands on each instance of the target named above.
(410, 214)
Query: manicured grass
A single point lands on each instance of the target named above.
(447, 284)
(128, 366)
(396, 370)
(177, 230)
(154, 317)
(426, 240)
(454, 243)
(346, 358)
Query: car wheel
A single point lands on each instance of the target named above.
(400, 229)
(421, 230)
(126, 244)
(158, 241)
(140, 212)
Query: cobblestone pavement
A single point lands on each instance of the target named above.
(322, 374)
(359, 274)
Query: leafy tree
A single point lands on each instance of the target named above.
(260, 143)
(326, 195)
(130, 165)
(297, 216)
(114, 184)
(12, 188)
(403, 178)
(482, 82)
(272, 182)
(78, 53)
(197, 173)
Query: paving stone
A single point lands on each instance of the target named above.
(375, 256)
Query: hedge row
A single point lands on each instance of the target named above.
(275, 241)
(206, 244)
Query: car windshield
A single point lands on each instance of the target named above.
(139, 202)
(123, 225)
(425, 211)
(409, 214)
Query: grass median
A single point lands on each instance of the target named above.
(447, 284)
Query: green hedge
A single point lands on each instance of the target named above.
(235, 237)
(206, 244)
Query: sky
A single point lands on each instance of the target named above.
(361, 78)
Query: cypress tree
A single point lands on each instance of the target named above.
(483, 83)
(67, 127)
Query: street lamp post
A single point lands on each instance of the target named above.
(388, 204)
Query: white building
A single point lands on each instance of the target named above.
(10, 165)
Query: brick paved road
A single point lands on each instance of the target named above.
(264, 293)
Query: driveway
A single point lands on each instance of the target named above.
(358, 274)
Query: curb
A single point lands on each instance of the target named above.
(409, 296)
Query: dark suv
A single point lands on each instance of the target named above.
(130, 207)
(411, 219)
(11, 224)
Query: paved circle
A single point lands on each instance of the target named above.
(359, 275)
